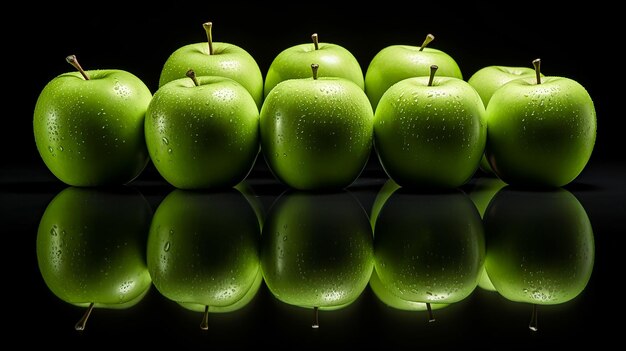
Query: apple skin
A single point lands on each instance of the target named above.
(241, 303)
(91, 247)
(295, 62)
(227, 60)
(397, 62)
(487, 80)
(430, 136)
(540, 245)
(316, 134)
(203, 250)
(317, 249)
(393, 301)
(90, 132)
(429, 247)
(540, 134)
(203, 136)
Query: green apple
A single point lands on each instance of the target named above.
(429, 247)
(91, 248)
(203, 251)
(541, 131)
(397, 62)
(430, 132)
(487, 80)
(316, 133)
(293, 62)
(317, 250)
(540, 246)
(215, 59)
(88, 126)
(393, 301)
(202, 132)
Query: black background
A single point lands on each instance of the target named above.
(575, 42)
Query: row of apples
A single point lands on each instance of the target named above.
(316, 119)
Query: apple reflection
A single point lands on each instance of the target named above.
(91, 248)
(388, 298)
(381, 197)
(481, 191)
(317, 250)
(203, 251)
(429, 248)
(540, 246)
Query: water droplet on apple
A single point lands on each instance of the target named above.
(53, 231)
(50, 149)
(61, 148)
(169, 150)
(166, 248)
(165, 141)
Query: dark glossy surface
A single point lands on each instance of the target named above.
(483, 318)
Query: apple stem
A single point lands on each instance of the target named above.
(191, 74)
(433, 69)
(314, 68)
(204, 325)
(80, 326)
(537, 64)
(316, 321)
(316, 42)
(72, 60)
(427, 41)
(207, 28)
(533, 319)
(431, 317)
